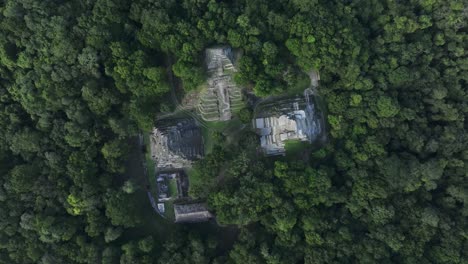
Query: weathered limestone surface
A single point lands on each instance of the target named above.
(176, 144)
(287, 119)
(222, 95)
(191, 213)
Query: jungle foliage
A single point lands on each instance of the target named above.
(79, 78)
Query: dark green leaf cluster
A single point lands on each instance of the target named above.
(79, 79)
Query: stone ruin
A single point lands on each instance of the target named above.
(175, 144)
(163, 180)
(191, 213)
(221, 96)
(286, 119)
(294, 118)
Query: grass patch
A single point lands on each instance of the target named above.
(296, 146)
(224, 126)
(217, 125)
(201, 87)
(228, 128)
(207, 139)
(169, 213)
(199, 185)
(193, 177)
(173, 188)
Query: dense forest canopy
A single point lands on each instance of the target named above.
(79, 78)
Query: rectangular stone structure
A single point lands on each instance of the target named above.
(176, 143)
(191, 213)
(284, 120)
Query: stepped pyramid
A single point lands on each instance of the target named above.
(222, 95)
